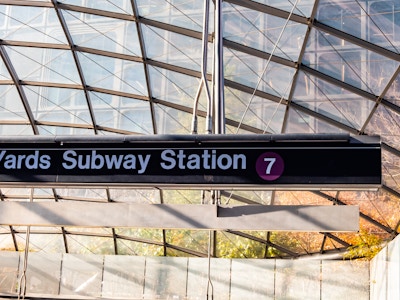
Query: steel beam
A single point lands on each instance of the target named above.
(195, 217)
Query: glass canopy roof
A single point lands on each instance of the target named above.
(86, 67)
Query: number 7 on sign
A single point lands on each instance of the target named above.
(269, 166)
(270, 162)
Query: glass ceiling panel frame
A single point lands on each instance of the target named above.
(194, 34)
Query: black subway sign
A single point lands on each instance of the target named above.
(193, 161)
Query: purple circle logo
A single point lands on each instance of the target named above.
(269, 166)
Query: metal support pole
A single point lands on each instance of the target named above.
(203, 80)
(219, 99)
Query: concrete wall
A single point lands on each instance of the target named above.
(131, 277)
(385, 273)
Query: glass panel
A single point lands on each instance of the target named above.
(173, 48)
(386, 123)
(4, 229)
(176, 87)
(103, 33)
(58, 105)
(126, 247)
(7, 242)
(143, 234)
(108, 131)
(173, 121)
(254, 111)
(234, 130)
(233, 246)
(384, 24)
(299, 198)
(298, 279)
(4, 74)
(135, 195)
(43, 194)
(56, 130)
(261, 31)
(246, 197)
(30, 24)
(245, 69)
(249, 279)
(82, 194)
(9, 272)
(381, 72)
(331, 100)
(48, 65)
(11, 107)
(342, 15)
(393, 94)
(183, 13)
(367, 242)
(139, 241)
(380, 205)
(123, 277)
(16, 130)
(113, 74)
(81, 244)
(188, 239)
(303, 7)
(176, 253)
(286, 240)
(300, 122)
(62, 116)
(355, 275)
(349, 63)
(377, 22)
(81, 275)
(391, 170)
(42, 280)
(49, 243)
(15, 192)
(118, 6)
(182, 197)
(122, 113)
(165, 278)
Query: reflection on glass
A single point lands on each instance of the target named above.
(377, 22)
(384, 24)
(108, 34)
(341, 15)
(183, 13)
(254, 111)
(349, 63)
(176, 87)
(30, 24)
(114, 74)
(58, 105)
(44, 65)
(261, 31)
(391, 170)
(270, 77)
(173, 48)
(332, 101)
(385, 123)
(122, 113)
(300, 122)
